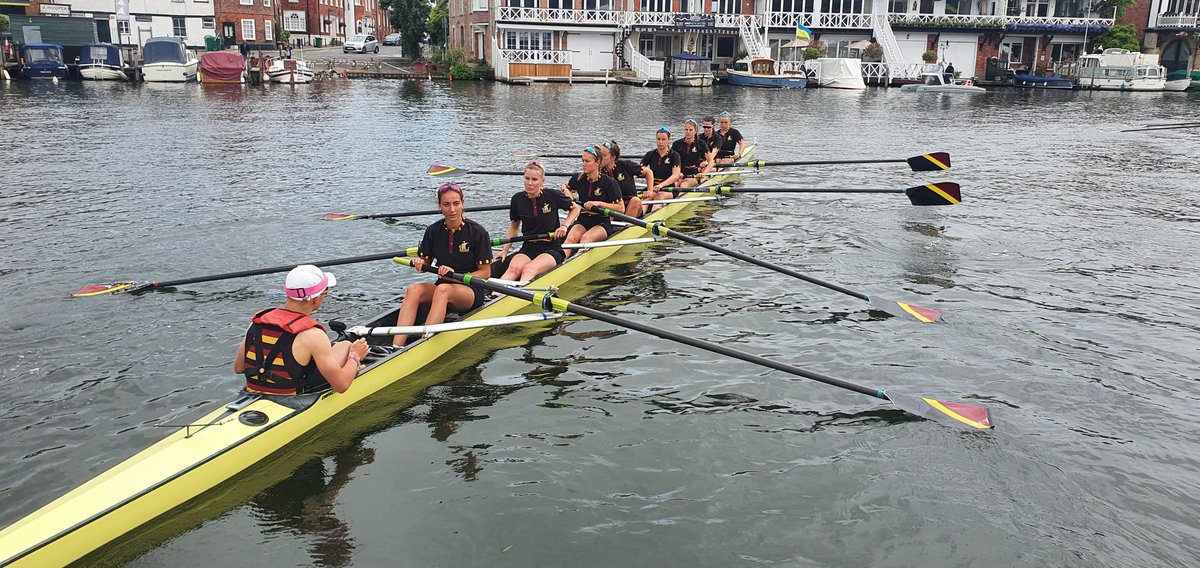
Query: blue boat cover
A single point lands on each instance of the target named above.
(163, 50)
(689, 57)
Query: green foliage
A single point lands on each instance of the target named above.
(280, 33)
(3, 23)
(1122, 36)
(483, 70)
(873, 52)
(410, 18)
(811, 52)
(438, 21)
(929, 57)
(462, 71)
(1116, 7)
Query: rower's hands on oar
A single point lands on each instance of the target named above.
(359, 349)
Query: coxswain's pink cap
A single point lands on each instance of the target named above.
(306, 282)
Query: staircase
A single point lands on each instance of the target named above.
(882, 28)
(647, 71)
(756, 46)
(623, 63)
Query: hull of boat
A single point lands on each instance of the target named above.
(1043, 82)
(745, 79)
(99, 72)
(693, 80)
(1178, 85)
(197, 458)
(943, 89)
(170, 72)
(291, 76)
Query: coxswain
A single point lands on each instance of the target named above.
(710, 135)
(625, 172)
(695, 159)
(732, 144)
(535, 212)
(286, 352)
(452, 244)
(663, 165)
(593, 189)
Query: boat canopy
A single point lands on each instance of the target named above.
(222, 65)
(100, 53)
(689, 57)
(40, 52)
(163, 50)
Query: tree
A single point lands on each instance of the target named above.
(438, 22)
(3, 23)
(282, 34)
(410, 18)
(1122, 36)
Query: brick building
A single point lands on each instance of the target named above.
(248, 21)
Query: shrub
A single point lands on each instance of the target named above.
(462, 71)
(929, 57)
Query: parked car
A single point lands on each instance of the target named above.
(391, 39)
(361, 44)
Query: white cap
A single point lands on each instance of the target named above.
(306, 282)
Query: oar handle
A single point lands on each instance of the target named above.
(547, 302)
(659, 229)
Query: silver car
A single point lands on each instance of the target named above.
(361, 44)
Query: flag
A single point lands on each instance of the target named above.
(803, 32)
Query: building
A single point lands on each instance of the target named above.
(546, 38)
(1170, 28)
(246, 21)
(187, 19)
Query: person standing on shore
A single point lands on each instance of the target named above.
(286, 352)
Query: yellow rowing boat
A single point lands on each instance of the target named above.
(199, 456)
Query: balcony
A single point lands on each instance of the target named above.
(1177, 21)
(623, 18)
(825, 21)
(953, 21)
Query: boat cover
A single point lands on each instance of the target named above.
(689, 57)
(163, 50)
(40, 52)
(105, 53)
(222, 65)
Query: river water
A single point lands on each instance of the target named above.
(1066, 278)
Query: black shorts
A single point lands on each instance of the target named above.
(535, 249)
(589, 221)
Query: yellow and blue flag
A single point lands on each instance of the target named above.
(803, 32)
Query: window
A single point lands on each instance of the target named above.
(267, 3)
(726, 46)
(208, 23)
(248, 30)
(692, 6)
(727, 7)
(481, 5)
(562, 4)
(898, 6)
(786, 6)
(1039, 8)
(122, 27)
(844, 6)
(268, 30)
(1011, 51)
(704, 46)
(246, 2)
(597, 5)
(656, 5)
(178, 28)
(542, 41)
(646, 44)
(293, 21)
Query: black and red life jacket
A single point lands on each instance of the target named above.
(269, 340)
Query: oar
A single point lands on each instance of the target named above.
(536, 155)
(957, 414)
(349, 216)
(944, 193)
(932, 162)
(901, 309)
(440, 170)
(1176, 127)
(130, 286)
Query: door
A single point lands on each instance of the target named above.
(103, 31)
(591, 52)
(228, 35)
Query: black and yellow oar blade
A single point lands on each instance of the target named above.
(905, 310)
(339, 216)
(957, 414)
(438, 169)
(943, 193)
(98, 289)
(932, 162)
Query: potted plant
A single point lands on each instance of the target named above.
(929, 57)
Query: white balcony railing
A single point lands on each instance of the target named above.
(864, 21)
(536, 56)
(643, 67)
(811, 20)
(557, 15)
(1180, 21)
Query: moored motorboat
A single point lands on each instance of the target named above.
(208, 451)
(837, 72)
(690, 70)
(290, 71)
(1040, 82)
(101, 62)
(43, 61)
(168, 60)
(762, 72)
(935, 82)
(222, 67)
(1121, 70)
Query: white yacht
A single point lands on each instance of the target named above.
(168, 60)
(935, 82)
(1121, 70)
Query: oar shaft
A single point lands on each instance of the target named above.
(662, 231)
(549, 302)
(807, 163)
(431, 212)
(504, 173)
(276, 269)
(728, 189)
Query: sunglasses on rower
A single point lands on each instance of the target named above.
(449, 187)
